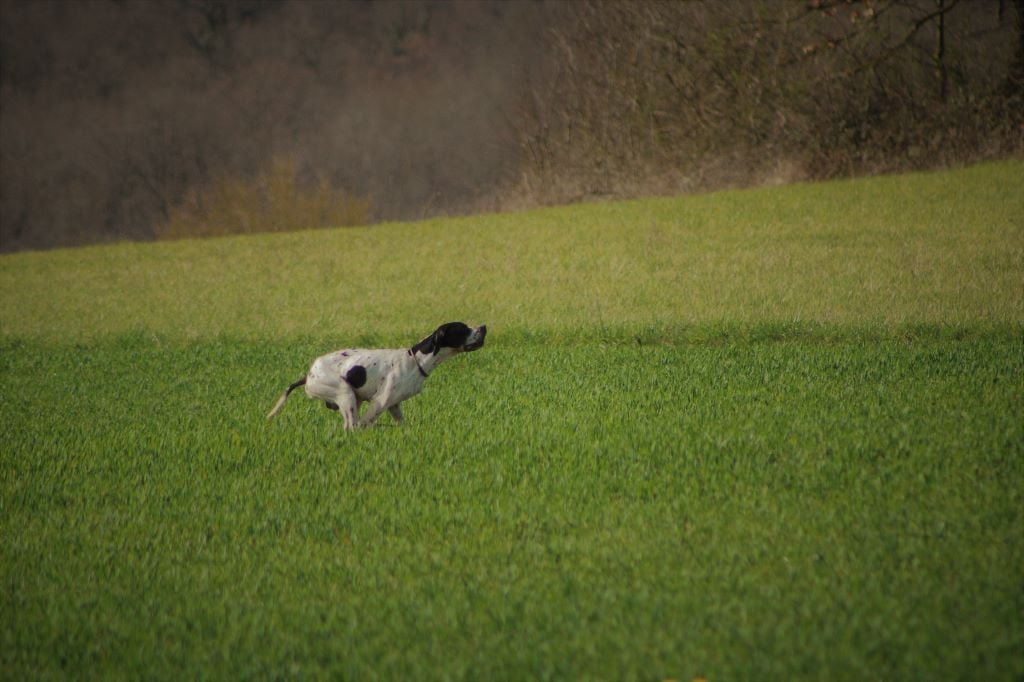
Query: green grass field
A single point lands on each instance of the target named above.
(771, 434)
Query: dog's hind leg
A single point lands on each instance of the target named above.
(347, 404)
(396, 413)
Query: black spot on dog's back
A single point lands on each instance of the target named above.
(356, 376)
(330, 406)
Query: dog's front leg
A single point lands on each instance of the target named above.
(378, 404)
(373, 410)
(396, 413)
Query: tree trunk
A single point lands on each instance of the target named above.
(1015, 78)
(940, 52)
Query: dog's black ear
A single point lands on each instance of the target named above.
(428, 345)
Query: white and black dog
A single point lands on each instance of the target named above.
(384, 377)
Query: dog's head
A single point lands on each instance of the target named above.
(451, 338)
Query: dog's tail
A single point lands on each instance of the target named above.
(284, 397)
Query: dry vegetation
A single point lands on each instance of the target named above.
(129, 120)
(668, 97)
(272, 202)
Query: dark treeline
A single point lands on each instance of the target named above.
(123, 119)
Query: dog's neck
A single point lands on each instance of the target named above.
(419, 367)
(426, 362)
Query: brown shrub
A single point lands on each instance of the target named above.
(271, 202)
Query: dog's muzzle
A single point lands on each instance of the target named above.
(476, 339)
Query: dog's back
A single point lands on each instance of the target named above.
(364, 369)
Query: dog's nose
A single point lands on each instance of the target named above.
(483, 329)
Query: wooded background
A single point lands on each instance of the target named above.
(122, 119)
